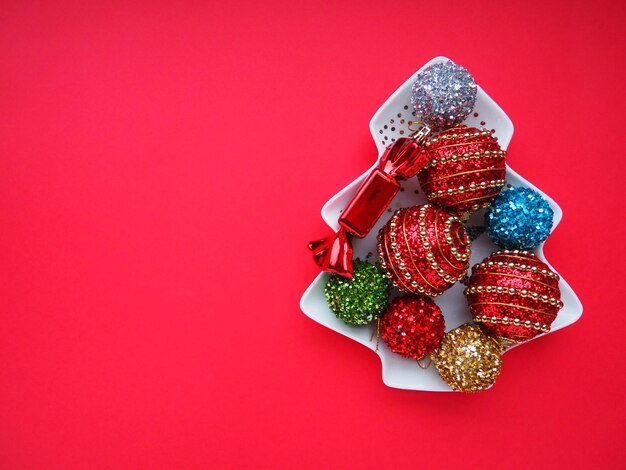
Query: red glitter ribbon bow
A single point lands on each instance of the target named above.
(401, 160)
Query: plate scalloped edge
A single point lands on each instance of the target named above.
(388, 122)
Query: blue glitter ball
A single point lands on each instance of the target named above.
(519, 219)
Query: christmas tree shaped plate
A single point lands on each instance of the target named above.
(390, 122)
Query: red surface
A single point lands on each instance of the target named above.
(150, 156)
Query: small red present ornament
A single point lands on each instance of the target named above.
(401, 160)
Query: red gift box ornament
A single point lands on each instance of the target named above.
(401, 160)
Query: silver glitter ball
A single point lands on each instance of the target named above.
(443, 95)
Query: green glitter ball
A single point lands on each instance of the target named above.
(359, 300)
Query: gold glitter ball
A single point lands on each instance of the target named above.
(468, 360)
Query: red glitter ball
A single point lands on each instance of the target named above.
(424, 250)
(412, 326)
(514, 295)
(466, 169)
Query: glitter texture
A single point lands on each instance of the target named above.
(466, 169)
(468, 360)
(412, 326)
(424, 250)
(443, 95)
(359, 300)
(519, 219)
(513, 295)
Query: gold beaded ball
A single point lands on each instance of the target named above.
(468, 360)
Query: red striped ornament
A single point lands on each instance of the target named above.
(424, 250)
(466, 169)
(514, 295)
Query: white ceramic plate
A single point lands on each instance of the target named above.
(391, 121)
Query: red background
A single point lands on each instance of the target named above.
(162, 168)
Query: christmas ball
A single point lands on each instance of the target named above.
(443, 95)
(519, 219)
(424, 250)
(362, 298)
(513, 295)
(412, 326)
(466, 170)
(468, 359)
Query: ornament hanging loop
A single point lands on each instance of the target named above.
(503, 343)
(422, 366)
(376, 331)
(419, 131)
